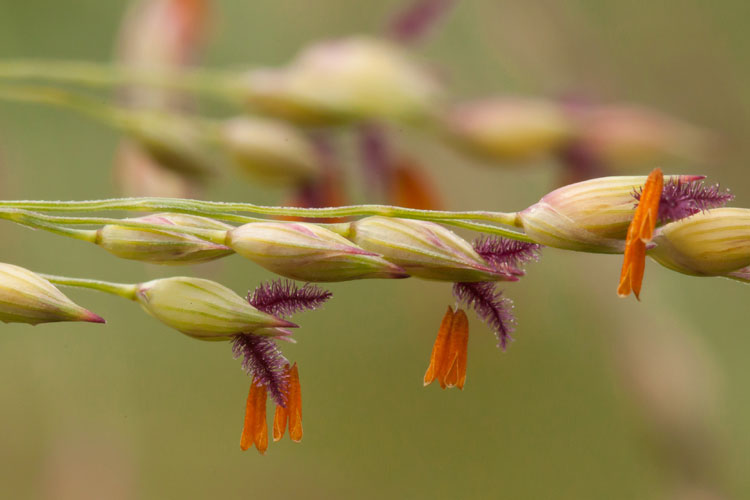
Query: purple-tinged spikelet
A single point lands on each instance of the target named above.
(375, 154)
(262, 359)
(283, 297)
(683, 199)
(411, 24)
(504, 252)
(490, 305)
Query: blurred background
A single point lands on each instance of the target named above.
(598, 397)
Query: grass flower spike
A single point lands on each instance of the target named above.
(640, 232)
(26, 297)
(271, 372)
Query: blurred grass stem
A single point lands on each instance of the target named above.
(210, 82)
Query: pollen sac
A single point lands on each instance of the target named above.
(449, 353)
(308, 252)
(508, 130)
(588, 216)
(292, 413)
(711, 243)
(424, 249)
(26, 297)
(164, 247)
(204, 309)
(341, 80)
(270, 150)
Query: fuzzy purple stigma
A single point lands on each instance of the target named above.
(506, 254)
(284, 297)
(491, 306)
(260, 355)
(262, 359)
(682, 199)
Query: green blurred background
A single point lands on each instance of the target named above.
(135, 410)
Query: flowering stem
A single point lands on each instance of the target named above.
(223, 85)
(92, 108)
(212, 208)
(38, 221)
(124, 290)
(52, 224)
(223, 210)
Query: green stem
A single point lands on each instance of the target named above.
(53, 224)
(127, 291)
(38, 221)
(126, 120)
(223, 85)
(487, 229)
(219, 210)
(111, 115)
(212, 208)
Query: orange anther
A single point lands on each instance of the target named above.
(448, 359)
(640, 232)
(255, 430)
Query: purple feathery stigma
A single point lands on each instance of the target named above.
(504, 253)
(414, 22)
(262, 359)
(683, 199)
(491, 306)
(284, 298)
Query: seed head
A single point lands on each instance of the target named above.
(270, 150)
(172, 140)
(711, 243)
(588, 216)
(308, 252)
(424, 249)
(340, 80)
(204, 309)
(163, 247)
(508, 129)
(627, 136)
